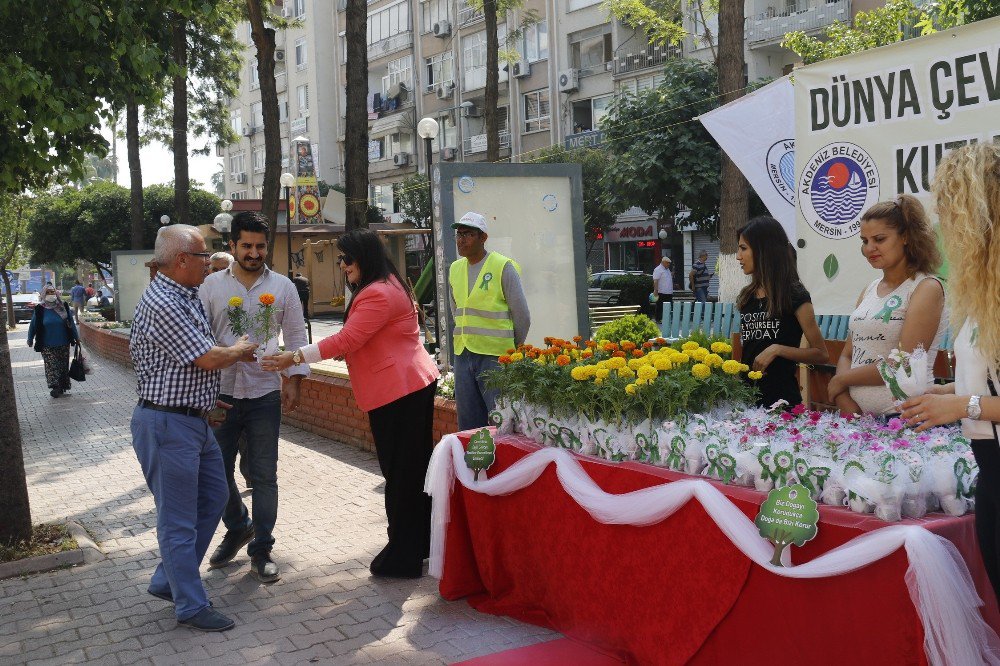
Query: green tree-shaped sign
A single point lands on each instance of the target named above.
(787, 516)
(480, 453)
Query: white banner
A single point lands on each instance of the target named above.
(875, 124)
(758, 134)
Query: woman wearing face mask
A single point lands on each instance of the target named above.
(51, 332)
(394, 380)
(899, 310)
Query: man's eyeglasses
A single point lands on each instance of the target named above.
(345, 258)
(466, 233)
(203, 255)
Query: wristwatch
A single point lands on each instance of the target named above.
(297, 357)
(974, 411)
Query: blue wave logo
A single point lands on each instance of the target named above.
(839, 191)
(787, 167)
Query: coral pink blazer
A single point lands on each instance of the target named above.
(381, 343)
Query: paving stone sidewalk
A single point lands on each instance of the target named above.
(326, 608)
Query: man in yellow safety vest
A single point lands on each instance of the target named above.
(491, 317)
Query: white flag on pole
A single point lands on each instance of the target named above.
(758, 133)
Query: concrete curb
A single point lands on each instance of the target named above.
(91, 551)
(87, 552)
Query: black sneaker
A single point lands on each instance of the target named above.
(230, 546)
(208, 619)
(264, 569)
(56, 392)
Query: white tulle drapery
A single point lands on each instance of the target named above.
(937, 578)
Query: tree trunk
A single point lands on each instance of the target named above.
(15, 519)
(733, 204)
(492, 99)
(356, 128)
(182, 183)
(135, 173)
(263, 39)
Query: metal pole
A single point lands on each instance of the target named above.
(288, 227)
(428, 148)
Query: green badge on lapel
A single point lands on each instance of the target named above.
(485, 284)
(480, 453)
(886, 312)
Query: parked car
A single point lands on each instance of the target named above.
(598, 295)
(24, 305)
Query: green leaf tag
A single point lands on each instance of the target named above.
(831, 266)
(481, 452)
(787, 516)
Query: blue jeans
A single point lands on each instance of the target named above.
(701, 294)
(473, 401)
(183, 468)
(260, 419)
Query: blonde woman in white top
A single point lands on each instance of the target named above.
(901, 310)
(967, 192)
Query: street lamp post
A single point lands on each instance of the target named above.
(164, 220)
(427, 128)
(223, 221)
(287, 181)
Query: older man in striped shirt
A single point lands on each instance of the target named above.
(177, 363)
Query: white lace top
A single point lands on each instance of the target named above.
(876, 325)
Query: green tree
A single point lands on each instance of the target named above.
(660, 20)
(414, 196)
(662, 159)
(14, 212)
(871, 29)
(600, 200)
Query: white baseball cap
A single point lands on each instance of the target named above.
(474, 220)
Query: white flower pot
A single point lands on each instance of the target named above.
(763, 485)
(889, 512)
(693, 462)
(859, 504)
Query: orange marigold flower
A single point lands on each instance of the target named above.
(619, 354)
(628, 345)
(504, 360)
(610, 347)
(591, 344)
(661, 341)
(638, 353)
(562, 359)
(511, 351)
(647, 345)
(267, 299)
(587, 354)
(577, 338)
(532, 353)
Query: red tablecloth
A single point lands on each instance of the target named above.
(678, 591)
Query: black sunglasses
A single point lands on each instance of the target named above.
(346, 258)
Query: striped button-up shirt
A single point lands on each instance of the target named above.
(246, 379)
(169, 332)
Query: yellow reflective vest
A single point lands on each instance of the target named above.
(483, 322)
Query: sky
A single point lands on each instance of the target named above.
(158, 165)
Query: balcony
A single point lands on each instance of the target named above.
(652, 56)
(771, 25)
(477, 144)
(384, 47)
(467, 14)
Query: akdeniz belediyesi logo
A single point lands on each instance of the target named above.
(839, 182)
(781, 168)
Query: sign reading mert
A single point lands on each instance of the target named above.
(589, 139)
(631, 231)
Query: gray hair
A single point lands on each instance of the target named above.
(221, 255)
(171, 241)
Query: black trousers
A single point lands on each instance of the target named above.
(404, 440)
(662, 298)
(987, 454)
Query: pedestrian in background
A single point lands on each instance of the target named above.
(177, 364)
(663, 287)
(699, 278)
(51, 332)
(394, 380)
(78, 298)
(220, 261)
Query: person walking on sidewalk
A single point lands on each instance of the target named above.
(699, 278)
(78, 298)
(491, 316)
(663, 287)
(257, 396)
(177, 364)
(51, 332)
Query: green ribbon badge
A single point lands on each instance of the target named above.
(485, 285)
(886, 312)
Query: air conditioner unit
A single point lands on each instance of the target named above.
(522, 68)
(448, 154)
(240, 178)
(279, 55)
(401, 159)
(248, 130)
(445, 90)
(469, 111)
(442, 29)
(569, 80)
(609, 65)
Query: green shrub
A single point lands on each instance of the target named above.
(634, 289)
(637, 328)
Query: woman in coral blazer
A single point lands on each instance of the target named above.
(394, 380)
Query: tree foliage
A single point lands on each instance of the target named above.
(660, 20)
(599, 195)
(414, 196)
(662, 158)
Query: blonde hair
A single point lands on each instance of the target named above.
(966, 188)
(907, 216)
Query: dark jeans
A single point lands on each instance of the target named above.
(259, 419)
(663, 298)
(987, 454)
(473, 401)
(701, 294)
(404, 440)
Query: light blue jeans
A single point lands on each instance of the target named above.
(473, 401)
(183, 468)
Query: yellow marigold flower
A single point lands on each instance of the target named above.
(744, 367)
(267, 299)
(631, 389)
(616, 362)
(698, 354)
(599, 380)
(755, 375)
(689, 345)
(235, 302)
(626, 373)
(721, 347)
(516, 356)
(647, 372)
(662, 365)
(731, 367)
(579, 373)
(701, 371)
(713, 360)
(680, 358)
(641, 382)
(601, 373)
(540, 360)
(635, 363)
